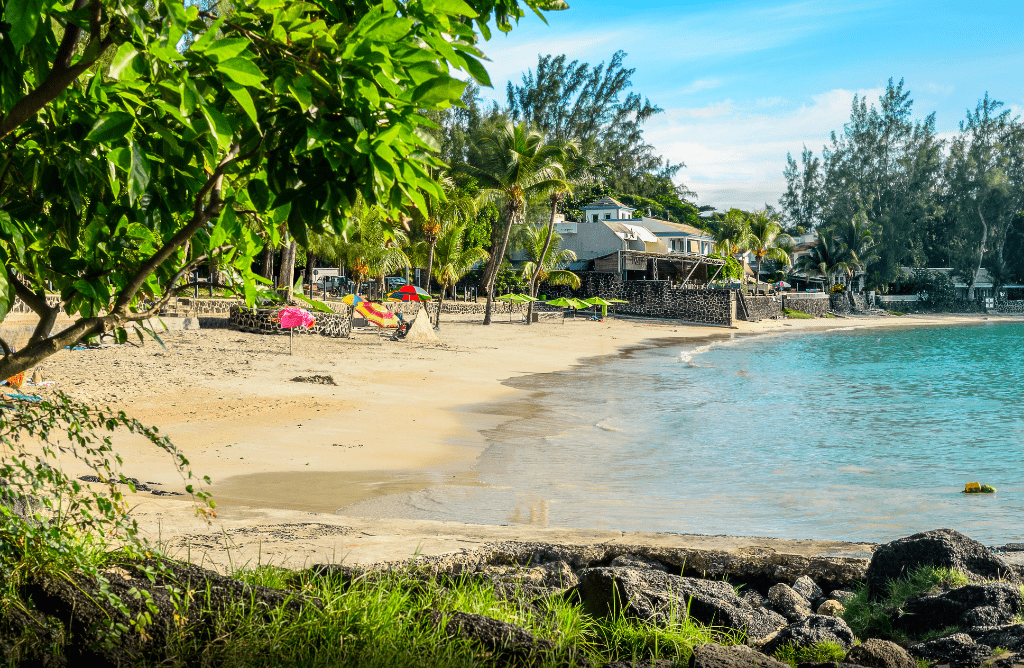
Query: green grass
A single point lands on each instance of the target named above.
(895, 312)
(793, 313)
(380, 621)
(868, 618)
(829, 315)
(821, 652)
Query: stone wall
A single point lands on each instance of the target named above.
(761, 307)
(1010, 306)
(19, 306)
(260, 321)
(848, 302)
(653, 299)
(816, 306)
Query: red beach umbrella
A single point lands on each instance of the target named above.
(410, 293)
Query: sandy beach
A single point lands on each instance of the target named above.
(283, 455)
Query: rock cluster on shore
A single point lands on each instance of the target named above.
(771, 601)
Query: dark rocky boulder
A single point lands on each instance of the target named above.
(737, 656)
(992, 601)
(653, 595)
(841, 595)
(808, 588)
(636, 561)
(659, 663)
(810, 631)
(954, 650)
(75, 605)
(1009, 636)
(829, 664)
(875, 653)
(753, 597)
(511, 643)
(786, 601)
(941, 547)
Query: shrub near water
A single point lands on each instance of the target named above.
(381, 620)
(50, 525)
(821, 652)
(868, 618)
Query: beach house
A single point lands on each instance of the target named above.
(613, 238)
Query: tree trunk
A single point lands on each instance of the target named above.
(498, 258)
(287, 274)
(307, 274)
(440, 303)
(267, 270)
(534, 282)
(430, 264)
(981, 252)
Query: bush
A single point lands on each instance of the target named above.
(868, 618)
(822, 652)
(51, 524)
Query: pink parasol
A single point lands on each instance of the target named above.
(293, 316)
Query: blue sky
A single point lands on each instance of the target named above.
(742, 83)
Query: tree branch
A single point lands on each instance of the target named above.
(201, 215)
(37, 302)
(63, 73)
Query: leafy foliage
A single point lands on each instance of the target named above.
(922, 201)
(115, 181)
(50, 522)
(869, 618)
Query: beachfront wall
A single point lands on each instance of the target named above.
(1010, 306)
(652, 299)
(816, 304)
(761, 307)
(848, 302)
(262, 321)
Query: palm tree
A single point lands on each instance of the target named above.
(823, 259)
(516, 165)
(545, 259)
(856, 244)
(454, 260)
(766, 240)
(578, 169)
(439, 216)
(372, 250)
(732, 233)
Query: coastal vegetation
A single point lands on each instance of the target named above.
(925, 201)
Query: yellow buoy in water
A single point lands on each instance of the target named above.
(972, 487)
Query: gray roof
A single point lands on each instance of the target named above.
(607, 203)
(666, 228)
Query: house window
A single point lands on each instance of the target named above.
(595, 217)
(607, 216)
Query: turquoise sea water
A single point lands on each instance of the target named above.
(857, 435)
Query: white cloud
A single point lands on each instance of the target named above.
(735, 155)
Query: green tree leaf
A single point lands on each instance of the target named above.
(139, 176)
(226, 49)
(240, 93)
(440, 89)
(121, 66)
(25, 17)
(110, 126)
(242, 71)
(259, 193)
